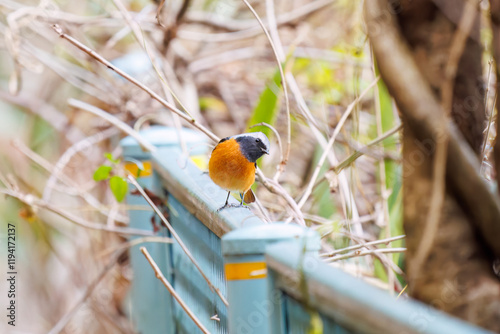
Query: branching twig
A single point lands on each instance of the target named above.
(359, 152)
(322, 159)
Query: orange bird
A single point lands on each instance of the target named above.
(232, 164)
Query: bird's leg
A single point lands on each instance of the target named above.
(242, 195)
(227, 202)
(227, 205)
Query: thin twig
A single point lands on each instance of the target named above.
(66, 157)
(232, 25)
(487, 134)
(469, 15)
(176, 237)
(276, 134)
(170, 289)
(154, 95)
(434, 215)
(135, 242)
(276, 188)
(363, 245)
(158, 13)
(72, 186)
(366, 252)
(483, 147)
(34, 202)
(285, 91)
(113, 120)
(359, 152)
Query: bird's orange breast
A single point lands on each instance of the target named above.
(229, 168)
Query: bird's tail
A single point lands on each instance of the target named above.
(249, 197)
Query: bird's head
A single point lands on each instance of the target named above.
(253, 145)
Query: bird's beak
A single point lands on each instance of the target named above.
(266, 151)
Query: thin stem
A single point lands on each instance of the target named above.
(285, 90)
(366, 252)
(176, 237)
(134, 81)
(362, 245)
(276, 133)
(34, 202)
(113, 120)
(170, 289)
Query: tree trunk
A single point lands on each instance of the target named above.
(456, 275)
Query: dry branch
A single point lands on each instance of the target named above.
(36, 203)
(495, 22)
(170, 289)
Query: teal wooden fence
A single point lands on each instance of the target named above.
(270, 274)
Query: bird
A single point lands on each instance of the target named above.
(233, 163)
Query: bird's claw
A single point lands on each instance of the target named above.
(232, 206)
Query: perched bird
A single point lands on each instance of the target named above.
(232, 164)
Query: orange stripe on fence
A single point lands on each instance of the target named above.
(134, 170)
(245, 270)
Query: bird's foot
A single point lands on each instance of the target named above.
(232, 206)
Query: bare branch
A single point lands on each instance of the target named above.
(170, 289)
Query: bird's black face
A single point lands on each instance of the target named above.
(252, 148)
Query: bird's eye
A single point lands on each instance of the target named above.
(257, 140)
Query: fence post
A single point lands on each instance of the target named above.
(150, 304)
(250, 302)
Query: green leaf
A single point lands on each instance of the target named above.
(119, 187)
(102, 173)
(393, 176)
(267, 109)
(109, 156)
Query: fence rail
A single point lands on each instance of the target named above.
(270, 273)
